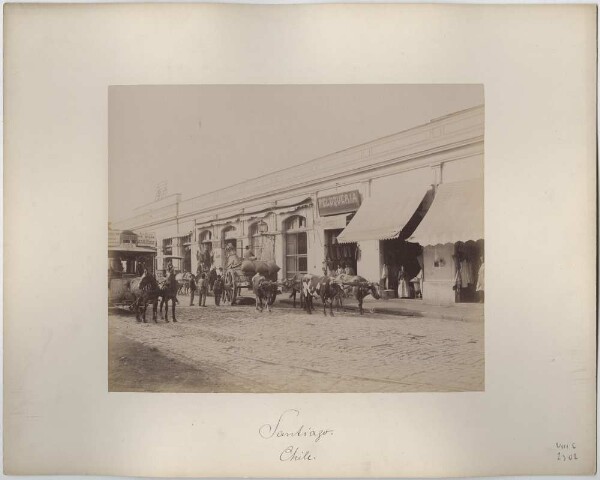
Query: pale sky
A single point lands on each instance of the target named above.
(202, 138)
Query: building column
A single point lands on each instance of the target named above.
(178, 251)
(217, 253)
(279, 254)
(437, 174)
(368, 264)
(195, 248)
(318, 254)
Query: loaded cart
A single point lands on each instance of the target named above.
(239, 275)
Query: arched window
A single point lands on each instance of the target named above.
(229, 233)
(295, 223)
(205, 236)
(205, 256)
(296, 246)
(257, 237)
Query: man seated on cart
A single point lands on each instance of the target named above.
(248, 255)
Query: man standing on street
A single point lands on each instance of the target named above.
(202, 290)
(192, 286)
(218, 289)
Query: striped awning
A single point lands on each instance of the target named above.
(383, 215)
(456, 215)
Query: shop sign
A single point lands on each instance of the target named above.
(339, 203)
(146, 239)
(114, 238)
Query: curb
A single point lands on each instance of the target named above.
(400, 312)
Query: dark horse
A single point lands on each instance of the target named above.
(168, 291)
(150, 292)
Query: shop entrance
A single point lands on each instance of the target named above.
(205, 255)
(187, 253)
(339, 256)
(229, 246)
(468, 258)
(403, 264)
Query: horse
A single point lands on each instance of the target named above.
(168, 291)
(149, 291)
(264, 290)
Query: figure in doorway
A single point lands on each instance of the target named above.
(480, 282)
(417, 284)
(384, 276)
(403, 289)
(457, 280)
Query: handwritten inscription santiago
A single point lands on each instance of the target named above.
(289, 425)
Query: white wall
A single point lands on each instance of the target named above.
(369, 260)
(420, 177)
(463, 169)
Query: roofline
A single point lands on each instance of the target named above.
(339, 151)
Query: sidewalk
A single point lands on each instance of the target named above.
(466, 312)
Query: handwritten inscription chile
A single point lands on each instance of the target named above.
(288, 425)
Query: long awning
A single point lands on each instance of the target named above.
(383, 215)
(456, 215)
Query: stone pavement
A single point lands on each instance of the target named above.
(291, 351)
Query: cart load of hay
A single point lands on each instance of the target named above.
(266, 268)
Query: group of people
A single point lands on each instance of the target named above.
(341, 269)
(468, 286)
(407, 284)
(204, 283)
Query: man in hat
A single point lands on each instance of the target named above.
(248, 255)
(192, 287)
(218, 288)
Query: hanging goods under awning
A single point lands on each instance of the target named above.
(456, 215)
(383, 215)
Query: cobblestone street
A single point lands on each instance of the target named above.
(237, 349)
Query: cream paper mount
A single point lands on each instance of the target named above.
(537, 412)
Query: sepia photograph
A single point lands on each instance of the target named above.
(332, 249)
(296, 238)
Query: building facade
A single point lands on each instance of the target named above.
(407, 206)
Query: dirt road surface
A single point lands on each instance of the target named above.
(237, 349)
